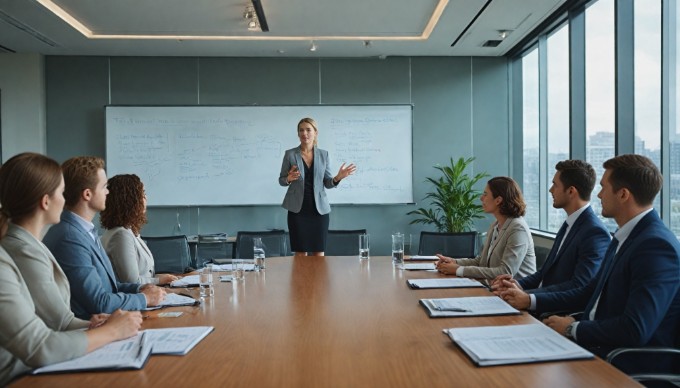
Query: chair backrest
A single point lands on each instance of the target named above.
(170, 253)
(210, 247)
(275, 243)
(448, 244)
(343, 242)
(541, 256)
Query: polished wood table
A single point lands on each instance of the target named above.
(334, 321)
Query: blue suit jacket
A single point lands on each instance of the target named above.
(577, 262)
(296, 190)
(94, 288)
(640, 303)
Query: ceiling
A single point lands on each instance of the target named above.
(339, 28)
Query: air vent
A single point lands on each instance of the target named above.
(492, 43)
(27, 29)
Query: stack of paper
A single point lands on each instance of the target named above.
(131, 353)
(176, 340)
(473, 306)
(515, 344)
(172, 299)
(418, 266)
(423, 258)
(228, 267)
(187, 281)
(444, 283)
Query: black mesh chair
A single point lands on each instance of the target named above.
(448, 244)
(343, 242)
(170, 253)
(275, 244)
(212, 248)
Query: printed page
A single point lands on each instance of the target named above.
(444, 283)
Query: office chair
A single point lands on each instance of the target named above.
(170, 253)
(343, 242)
(210, 247)
(275, 243)
(448, 244)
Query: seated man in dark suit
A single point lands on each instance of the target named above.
(634, 300)
(581, 242)
(76, 246)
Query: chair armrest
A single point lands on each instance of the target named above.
(650, 349)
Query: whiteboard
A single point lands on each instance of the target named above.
(231, 155)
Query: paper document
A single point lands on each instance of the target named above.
(172, 299)
(472, 306)
(131, 353)
(187, 281)
(228, 267)
(176, 340)
(444, 283)
(424, 258)
(514, 344)
(418, 266)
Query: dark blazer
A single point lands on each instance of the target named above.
(640, 302)
(296, 190)
(577, 262)
(94, 288)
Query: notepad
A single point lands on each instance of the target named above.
(176, 341)
(424, 258)
(131, 353)
(515, 344)
(173, 300)
(472, 306)
(418, 266)
(187, 281)
(443, 283)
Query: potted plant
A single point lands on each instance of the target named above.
(455, 201)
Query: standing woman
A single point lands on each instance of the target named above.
(123, 218)
(37, 326)
(509, 248)
(306, 171)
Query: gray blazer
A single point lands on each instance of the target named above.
(94, 288)
(25, 340)
(131, 259)
(46, 281)
(296, 190)
(512, 253)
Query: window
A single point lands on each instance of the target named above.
(558, 114)
(674, 135)
(600, 90)
(530, 115)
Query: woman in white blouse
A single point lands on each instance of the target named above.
(123, 218)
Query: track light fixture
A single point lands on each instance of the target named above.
(313, 47)
(251, 16)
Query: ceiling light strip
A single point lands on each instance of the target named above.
(65, 16)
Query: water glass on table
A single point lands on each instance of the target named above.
(364, 246)
(205, 281)
(238, 270)
(408, 240)
(258, 254)
(398, 249)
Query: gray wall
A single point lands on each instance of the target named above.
(460, 109)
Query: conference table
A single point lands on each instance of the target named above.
(333, 321)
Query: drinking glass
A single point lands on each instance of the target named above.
(258, 254)
(364, 246)
(398, 249)
(205, 281)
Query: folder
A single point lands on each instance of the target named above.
(473, 306)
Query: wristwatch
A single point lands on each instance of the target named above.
(569, 331)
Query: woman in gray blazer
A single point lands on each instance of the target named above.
(123, 218)
(509, 248)
(37, 326)
(306, 171)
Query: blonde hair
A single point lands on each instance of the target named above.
(311, 122)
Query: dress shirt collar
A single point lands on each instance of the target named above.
(84, 224)
(624, 231)
(574, 216)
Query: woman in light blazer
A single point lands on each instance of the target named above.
(37, 326)
(306, 171)
(123, 218)
(509, 248)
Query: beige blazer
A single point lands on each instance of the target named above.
(44, 278)
(131, 259)
(25, 340)
(512, 253)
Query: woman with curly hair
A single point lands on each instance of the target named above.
(123, 218)
(509, 248)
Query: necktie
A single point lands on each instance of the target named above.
(607, 266)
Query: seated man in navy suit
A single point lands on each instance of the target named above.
(634, 299)
(76, 246)
(581, 242)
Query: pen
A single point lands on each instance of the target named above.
(456, 309)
